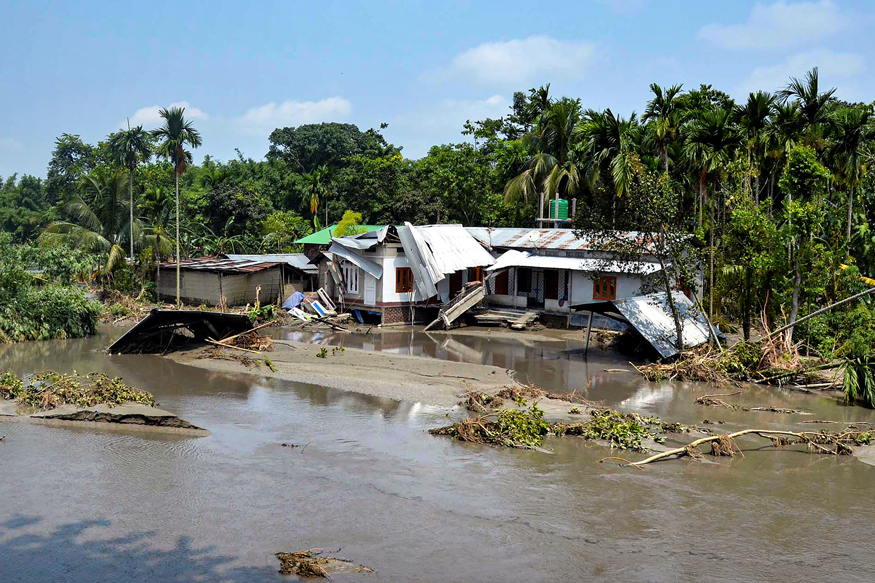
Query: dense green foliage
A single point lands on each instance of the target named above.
(36, 300)
(775, 187)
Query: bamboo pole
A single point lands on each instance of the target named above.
(820, 311)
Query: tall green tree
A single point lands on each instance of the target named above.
(98, 217)
(753, 120)
(665, 110)
(128, 148)
(609, 148)
(814, 105)
(853, 132)
(174, 136)
(551, 169)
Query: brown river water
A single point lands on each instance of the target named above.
(90, 504)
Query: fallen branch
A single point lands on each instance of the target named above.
(211, 341)
(230, 338)
(725, 443)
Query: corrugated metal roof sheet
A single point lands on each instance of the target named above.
(651, 316)
(371, 267)
(536, 238)
(435, 251)
(514, 258)
(216, 265)
(297, 260)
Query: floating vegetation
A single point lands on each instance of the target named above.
(323, 353)
(527, 428)
(313, 563)
(575, 411)
(48, 390)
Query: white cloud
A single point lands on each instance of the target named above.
(10, 145)
(782, 24)
(519, 61)
(292, 113)
(149, 118)
(831, 65)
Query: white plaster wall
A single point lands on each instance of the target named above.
(390, 264)
(582, 286)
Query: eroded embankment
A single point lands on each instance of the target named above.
(56, 398)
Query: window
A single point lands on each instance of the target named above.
(351, 277)
(475, 274)
(551, 284)
(403, 280)
(605, 288)
(524, 280)
(501, 282)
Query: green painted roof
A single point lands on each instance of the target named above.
(323, 237)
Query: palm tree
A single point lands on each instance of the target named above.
(664, 109)
(854, 131)
(550, 169)
(175, 135)
(99, 220)
(319, 184)
(814, 106)
(710, 141)
(782, 134)
(610, 145)
(753, 120)
(128, 148)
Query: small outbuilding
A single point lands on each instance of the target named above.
(206, 280)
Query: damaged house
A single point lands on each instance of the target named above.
(550, 270)
(401, 274)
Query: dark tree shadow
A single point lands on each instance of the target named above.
(64, 556)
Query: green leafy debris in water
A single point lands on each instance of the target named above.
(527, 428)
(51, 389)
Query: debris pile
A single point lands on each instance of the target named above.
(827, 442)
(480, 402)
(312, 563)
(770, 361)
(252, 341)
(526, 428)
(50, 389)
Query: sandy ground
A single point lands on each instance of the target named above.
(399, 377)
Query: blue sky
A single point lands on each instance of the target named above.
(243, 69)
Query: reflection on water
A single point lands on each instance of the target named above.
(557, 366)
(81, 504)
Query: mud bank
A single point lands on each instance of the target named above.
(127, 416)
(399, 377)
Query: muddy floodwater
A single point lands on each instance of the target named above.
(90, 504)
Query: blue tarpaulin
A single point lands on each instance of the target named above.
(293, 301)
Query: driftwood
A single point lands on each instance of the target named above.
(725, 445)
(232, 346)
(230, 338)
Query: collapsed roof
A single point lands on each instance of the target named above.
(651, 316)
(167, 330)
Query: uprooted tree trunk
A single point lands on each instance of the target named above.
(723, 445)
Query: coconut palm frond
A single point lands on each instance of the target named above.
(116, 257)
(75, 236)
